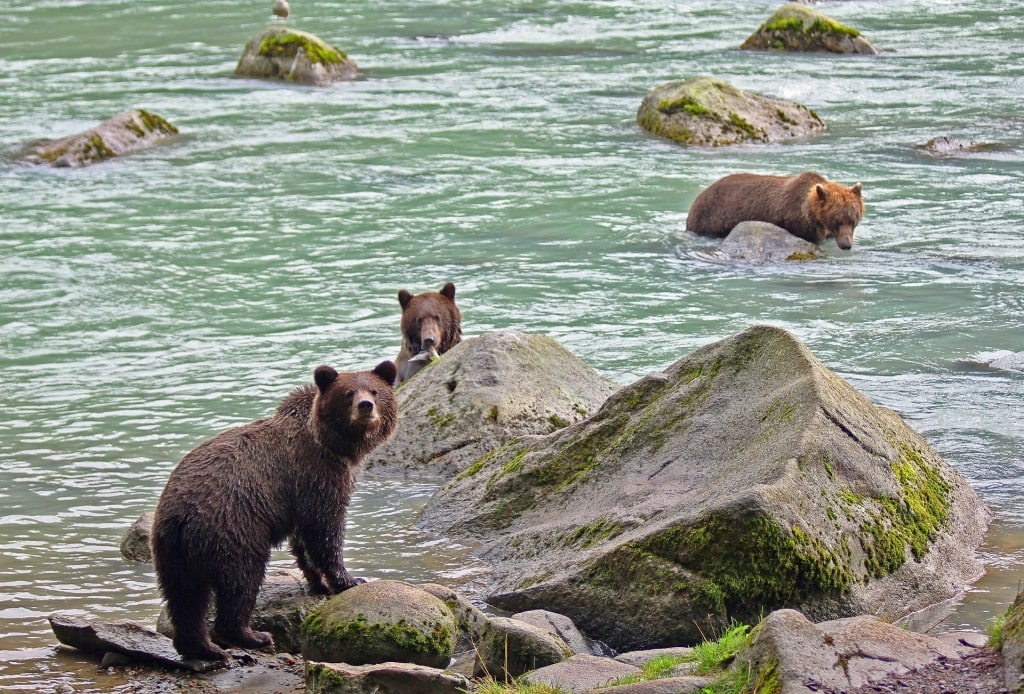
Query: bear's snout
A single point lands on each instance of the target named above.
(365, 407)
(844, 238)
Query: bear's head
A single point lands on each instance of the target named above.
(838, 209)
(431, 322)
(354, 412)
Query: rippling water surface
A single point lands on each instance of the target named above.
(147, 303)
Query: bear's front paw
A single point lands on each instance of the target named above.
(345, 580)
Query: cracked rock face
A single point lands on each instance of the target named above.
(744, 478)
(838, 655)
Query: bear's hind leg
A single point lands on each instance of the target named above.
(187, 611)
(236, 599)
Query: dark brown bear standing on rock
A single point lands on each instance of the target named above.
(806, 205)
(431, 325)
(247, 489)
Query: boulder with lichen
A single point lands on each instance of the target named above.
(710, 112)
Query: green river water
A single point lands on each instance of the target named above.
(150, 302)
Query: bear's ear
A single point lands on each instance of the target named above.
(822, 192)
(448, 291)
(387, 371)
(404, 297)
(857, 188)
(324, 376)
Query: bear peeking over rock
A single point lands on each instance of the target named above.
(806, 205)
(431, 325)
(236, 496)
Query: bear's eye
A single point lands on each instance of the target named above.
(373, 393)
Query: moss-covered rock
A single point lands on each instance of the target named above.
(379, 622)
(710, 112)
(509, 648)
(1013, 645)
(744, 478)
(125, 133)
(281, 53)
(482, 393)
(798, 28)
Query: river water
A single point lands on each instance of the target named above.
(147, 303)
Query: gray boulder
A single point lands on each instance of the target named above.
(763, 242)
(744, 478)
(483, 393)
(135, 543)
(125, 133)
(710, 112)
(510, 648)
(788, 654)
(380, 622)
(557, 625)
(281, 53)
(383, 678)
(797, 28)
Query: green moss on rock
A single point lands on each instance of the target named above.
(287, 42)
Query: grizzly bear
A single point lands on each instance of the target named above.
(241, 493)
(806, 205)
(431, 325)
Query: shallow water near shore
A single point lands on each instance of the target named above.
(150, 302)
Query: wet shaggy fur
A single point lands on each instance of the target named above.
(806, 205)
(431, 322)
(244, 491)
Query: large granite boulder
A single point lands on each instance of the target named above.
(744, 478)
(280, 53)
(797, 28)
(481, 394)
(123, 134)
(711, 112)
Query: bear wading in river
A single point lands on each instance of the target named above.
(431, 325)
(806, 205)
(241, 493)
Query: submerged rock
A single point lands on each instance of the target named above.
(291, 55)
(135, 543)
(947, 146)
(763, 242)
(744, 478)
(128, 132)
(482, 393)
(794, 27)
(710, 112)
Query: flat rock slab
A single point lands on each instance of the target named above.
(581, 673)
(384, 678)
(838, 655)
(123, 134)
(127, 638)
(710, 112)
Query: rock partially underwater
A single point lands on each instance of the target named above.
(126, 133)
(797, 28)
(711, 112)
(280, 53)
